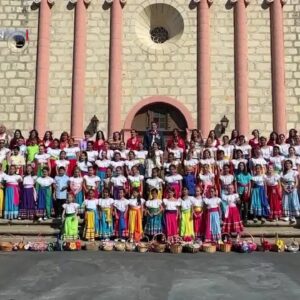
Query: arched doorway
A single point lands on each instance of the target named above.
(168, 112)
(165, 115)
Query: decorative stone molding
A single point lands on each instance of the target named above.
(87, 2)
(38, 2)
(268, 2)
(232, 2)
(209, 1)
(111, 1)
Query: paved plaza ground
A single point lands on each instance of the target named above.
(114, 275)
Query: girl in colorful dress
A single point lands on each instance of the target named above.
(155, 182)
(206, 179)
(1, 191)
(238, 158)
(191, 162)
(186, 218)
(283, 146)
(91, 182)
(132, 161)
(153, 212)
(274, 193)
(76, 188)
(189, 181)
(123, 151)
(176, 150)
(212, 225)
(234, 137)
(47, 139)
(107, 181)
(62, 162)
(64, 140)
(243, 146)
(198, 214)
(135, 215)
(70, 218)
(54, 153)
(12, 196)
(120, 215)
(257, 159)
(118, 183)
(254, 142)
(136, 180)
(141, 156)
(99, 141)
(210, 147)
(158, 155)
(207, 160)
(226, 180)
(243, 188)
(44, 195)
(174, 181)
(151, 163)
(28, 195)
(83, 163)
(171, 161)
(91, 218)
(32, 150)
(277, 160)
(196, 152)
(290, 200)
(293, 158)
(265, 149)
(215, 142)
(227, 148)
(41, 160)
(102, 166)
(106, 215)
(117, 162)
(171, 214)
(232, 221)
(91, 153)
(72, 153)
(259, 202)
(273, 139)
(17, 160)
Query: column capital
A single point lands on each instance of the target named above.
(111, 1)
(233, 2)
(269, 2)
(210, 2)
(87, 2)
(37, 2)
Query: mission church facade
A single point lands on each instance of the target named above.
(182, 63)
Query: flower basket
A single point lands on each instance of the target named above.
(279, 245)
(158, 246)
(192, 247)
(293, 246)
(225, 245)
(175, 245)
(265, 245)
(119, 245)
(209, 247)
(130, 245)
(39, 245)
(91, 246)
(245, 245)
(142, 246)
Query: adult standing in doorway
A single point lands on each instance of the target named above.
(153, 136)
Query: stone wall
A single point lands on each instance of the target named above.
(147, 70)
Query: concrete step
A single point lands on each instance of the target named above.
(272, 232)
(33, 230)
(272, 224)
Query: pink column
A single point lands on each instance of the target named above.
(203, 66)
(115, 67)
(277, 63)
(79, 63)
(241, 66)
(42, 66)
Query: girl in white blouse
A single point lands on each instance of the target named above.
(106, 215)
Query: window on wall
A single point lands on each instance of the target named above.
(161, 119)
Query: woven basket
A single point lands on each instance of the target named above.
(156, 246)
(119, 245)
(293, 246)
(227, 245)
(279, 245)
(175, 248)
(191, 248)
(6, 246)
(130, 246)
(245, 245)
(39, 245)
(91, 246)
(209, 248)
(143, 247)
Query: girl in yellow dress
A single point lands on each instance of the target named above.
(135, 227)
(186, 219)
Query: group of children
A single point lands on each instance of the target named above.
(192, 188)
